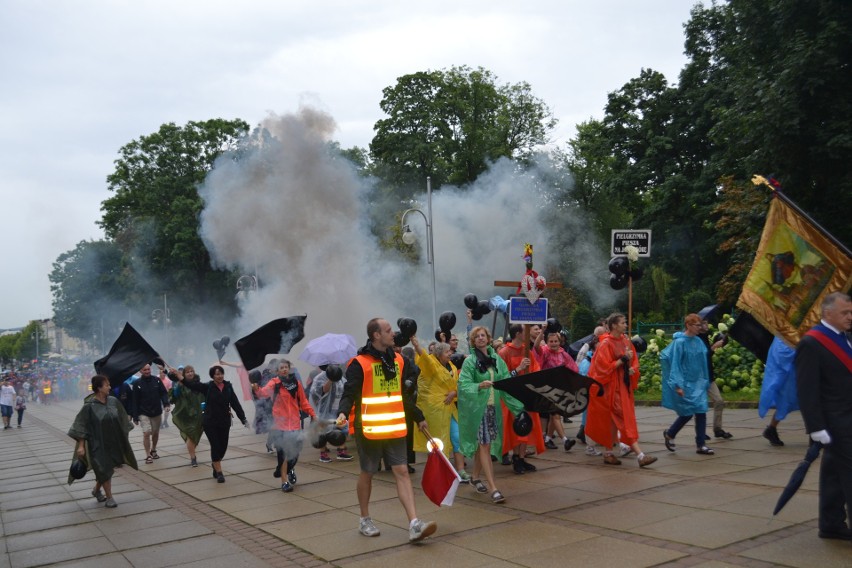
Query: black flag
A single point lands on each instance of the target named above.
(128, 354)
(752, 335)
(559, 390)
(277, 336)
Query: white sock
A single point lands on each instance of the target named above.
(640, 456)
(547, 439)
(413, 522)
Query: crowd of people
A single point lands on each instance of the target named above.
(394, 402)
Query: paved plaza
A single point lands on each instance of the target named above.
(685, 510)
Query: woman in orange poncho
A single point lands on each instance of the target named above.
(518, 363)
(613, 413)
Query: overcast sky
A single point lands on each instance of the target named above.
(81, 79)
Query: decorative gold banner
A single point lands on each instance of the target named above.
(795, 266)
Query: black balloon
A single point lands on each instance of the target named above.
(400, 340)
(336, 437)
(320, 442)
(636, 273)
(78, 469)
(217, 345)
(523, 424)
(447, 321)
(619, 265)
(407, 326)
(483, 307)
(438, 333)
(334, 373)
(225, 341)
(470, 301)
(476, 315)
(617, 282)
(639, 344)
(553, 325)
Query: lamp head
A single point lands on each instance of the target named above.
(408, 237)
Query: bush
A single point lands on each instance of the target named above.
(583, 322)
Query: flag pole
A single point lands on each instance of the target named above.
(776, 192)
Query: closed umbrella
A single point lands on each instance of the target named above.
(798, 476)
(330, 349)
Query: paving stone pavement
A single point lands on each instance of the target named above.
(684, 510)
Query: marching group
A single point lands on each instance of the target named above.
(392, 404)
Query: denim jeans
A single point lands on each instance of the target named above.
(700, 427)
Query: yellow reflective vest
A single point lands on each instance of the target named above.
(382, 411)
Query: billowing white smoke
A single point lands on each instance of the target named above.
(294, 212)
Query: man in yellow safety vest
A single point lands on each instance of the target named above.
(373, 394)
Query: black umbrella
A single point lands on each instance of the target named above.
(559, 390)
(709, 313)
(575, 347)
(798, 476)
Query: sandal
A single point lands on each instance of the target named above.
(154, 454)
(149, 459)
(704, 450)
(669, 441)
(479, 486)
(98, 494)
(497, 497)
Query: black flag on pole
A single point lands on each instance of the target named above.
(559, 390)
(128, 354)
(277, 336)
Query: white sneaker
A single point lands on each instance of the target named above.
(420, 530)
(593, 451)
(367, 527)
(625, 449)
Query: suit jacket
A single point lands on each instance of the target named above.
(824, 386)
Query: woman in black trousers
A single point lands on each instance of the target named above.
(219, 400)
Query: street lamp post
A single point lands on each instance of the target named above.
(37, 335)
(164, 315)
(409, 238)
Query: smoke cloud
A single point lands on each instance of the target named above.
(290, 209)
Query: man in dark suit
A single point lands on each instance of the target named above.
(824, 384)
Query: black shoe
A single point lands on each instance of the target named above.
(836, 535)
(277, 473)
(493, 458)
(719, 433)
(291, 477)
(411, 469)
(771, 434)
(506, 460)
(220, 478)
(518, 465)
(527, 466)
(549, 445)
(581, 434)
(569, 443)
(215, 474)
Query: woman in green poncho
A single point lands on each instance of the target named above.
(480, 424)
(187, 414)
(101, 429)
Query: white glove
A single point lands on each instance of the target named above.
(822, 437)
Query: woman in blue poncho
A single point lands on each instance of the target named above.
(685, 386)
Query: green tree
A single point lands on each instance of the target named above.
(87, 285)
(449, 124)
(154, 215)
(27, 347)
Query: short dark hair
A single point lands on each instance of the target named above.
(373, 327)
(213, 370)
(98, 381)
(514, 330)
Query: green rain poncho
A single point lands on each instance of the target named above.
(473, 400)
(104, 427)
(186, 413)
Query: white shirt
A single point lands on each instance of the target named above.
(7, 395)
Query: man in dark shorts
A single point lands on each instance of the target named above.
(373, 390)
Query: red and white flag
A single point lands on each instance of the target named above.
(440, 479)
